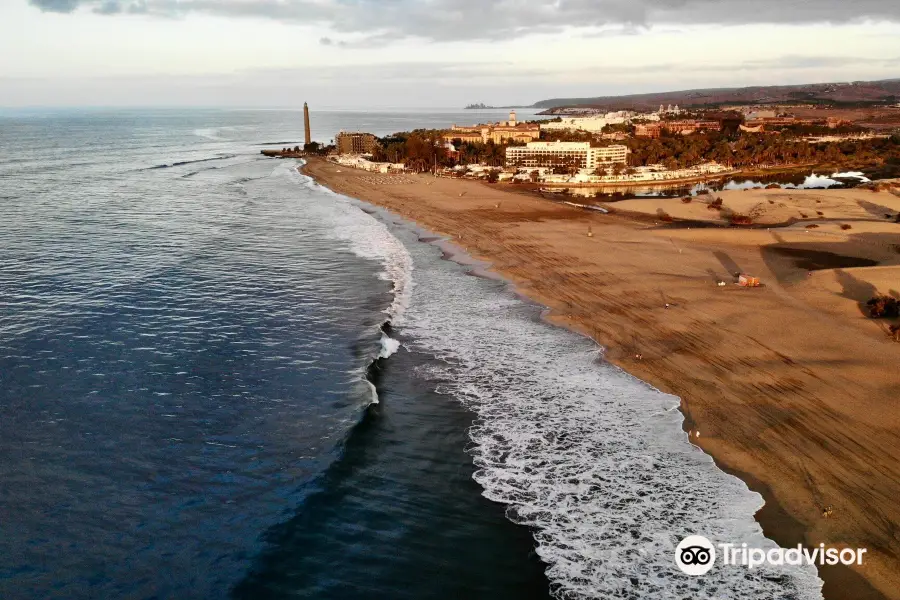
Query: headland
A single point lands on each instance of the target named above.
(789, 385)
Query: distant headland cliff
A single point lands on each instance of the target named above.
(835, 95)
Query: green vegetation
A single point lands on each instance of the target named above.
(418, 150)
(424, 149)
(884, 307)
(753, 150)
(313, 148)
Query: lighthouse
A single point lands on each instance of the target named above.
(306, 123)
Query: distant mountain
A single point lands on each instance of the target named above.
(835, 94)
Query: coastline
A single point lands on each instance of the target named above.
(673, 352)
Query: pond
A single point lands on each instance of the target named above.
(797, 181)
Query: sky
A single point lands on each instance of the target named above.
(427, 53)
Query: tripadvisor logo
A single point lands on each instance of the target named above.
(696, 555)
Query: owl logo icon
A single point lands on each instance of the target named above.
(695, 555)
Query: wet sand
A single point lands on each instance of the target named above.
(789, 386)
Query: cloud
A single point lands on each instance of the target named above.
(444, 84)
(327, 41)
(380, 21)
(59, 6)
(110, 7)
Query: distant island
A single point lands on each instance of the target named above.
(483, 106)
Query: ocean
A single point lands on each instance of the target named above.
(220, 379)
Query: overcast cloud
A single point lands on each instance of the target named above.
(443, 53)
(447, 20)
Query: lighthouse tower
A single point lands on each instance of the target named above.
(306, 123)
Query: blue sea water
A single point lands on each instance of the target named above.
(219, 379)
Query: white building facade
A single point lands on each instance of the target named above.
(578, 154)
(594, 124)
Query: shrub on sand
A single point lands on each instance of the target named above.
(884, 307)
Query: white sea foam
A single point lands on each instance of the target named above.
(388, 346)
(592, 459)
(210, 133)
(369, 238)
(374, 393)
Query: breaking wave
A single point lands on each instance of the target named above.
(209, 133)
(191, 162)
(366, 237)
(592, 459)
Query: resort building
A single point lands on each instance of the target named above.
(690, 126)
(777, 123)
(355, 142)
(594, 124)
(499, 133)
(575, 154)
(654, 130)
(648, 130)
(669, 110)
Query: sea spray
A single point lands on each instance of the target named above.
(388, 346)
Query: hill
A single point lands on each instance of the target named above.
(857, 93)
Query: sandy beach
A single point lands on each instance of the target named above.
(790, 385)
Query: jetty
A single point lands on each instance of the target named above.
(295, 152)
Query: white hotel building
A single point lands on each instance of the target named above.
(550, 154)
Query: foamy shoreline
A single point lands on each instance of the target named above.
(780, 523)
(564, 570)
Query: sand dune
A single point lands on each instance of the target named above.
(777, 206)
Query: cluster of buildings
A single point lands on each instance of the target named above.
(593, 121)
(499, 133)
(360, 162)
(649, 175)
(645, 175)
(684, 127)
(669, 110)
(574, 154)
(760, 124)
(593, 124)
